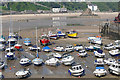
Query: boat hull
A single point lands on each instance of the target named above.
(74, 35)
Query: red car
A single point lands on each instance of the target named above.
(44, 40)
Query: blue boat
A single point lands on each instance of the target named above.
(46, 49)
(27, 41)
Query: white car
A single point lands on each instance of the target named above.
(109, 61)
(69, 48)
(115, 52)
(58, 48)
(99, 53)
(52, 62)
(76, 70)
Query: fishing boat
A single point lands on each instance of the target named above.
(24, 73)
(2, 47)
(52, 62)
(100, 71)
(78, 47)
(34, 48)
(69, 48)
(60, 34)
(2, 64)
(44, 40)
(99, 61)
(115, 52)
(99, 53)
(58, 48)
(82, 53)
(37, 61)
(46, 49)
(25, 61)
(90, 48)
(114, 68)
(67, 60)
(57, 55)
(72, 34)
(52, 36)
(109, 61)
(76, 70)
(109, 46)
(27, 42)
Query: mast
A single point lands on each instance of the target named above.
(18, 35)
(1, 22)
(9, 41)
(37, 43)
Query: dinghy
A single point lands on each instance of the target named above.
(10, 55)
(72, 34)
(78, 47)
(99, 61)
(24, 73)
(82, 53)
(100, 71)
(60, 34)
(99, 53)
(46, 49)
(2, 64)
(44, 40)
(52, 36)
(27, 42)
(58, 48)
(76, 70)
(109, 61)
(25, 61)
(69, 48)
(115, 52)
(109, 46)
(52, 62)
(57, 55)
(34, 48)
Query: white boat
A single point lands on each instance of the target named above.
(67, 60)
(2, 64)
(25, 61)
(23, 73)
(1, 75)
(99, 61)
(109, 46)
(2, 40)
(114, 68)
(76, 70)
(78, 47)
(34, 48)
(89, 48)
(69, 48)
(60, 34)
(96, 47)
(27, 42)
(58, 48)
(12, 41)
(100, 72)
(10, 49)
(82, 53)
(10, 55)
(117, 44)
(52, 36)
(115, 52)
(57, 55)
(109, 61)
(97, 41)
(99, 53)
(46, 49)
(52, 62)
(2, 47)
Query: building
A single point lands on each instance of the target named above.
(93, 7)
(59, 10)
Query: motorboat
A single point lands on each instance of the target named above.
(69, 48)
(10, 49)
(25, 61)
(89, 48)
(34, 48)
(109, 46)
(2, 40)
(82, 53)
(44, 40)
(58, 48)
(52, 62)
(52, 36)
(1, 75)
(60, 34)
(18, 46)
(115, 52)
(46, 49)
(117, 44)
(99, 53)
(11, 35)
(57, 55)
(94, 37)
(78, 47)
(10, 55)
(100, 71)
(24, 73)
(76, 70)
(96, 47)
(67, 60)
(99, 61)
(27, 42)
(2, 64)
(97, 41)
(114, 68)
(72, 34)
(12, 41)
(2, 47)
(109, 61)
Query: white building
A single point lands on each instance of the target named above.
(93, 7)
(57, 10)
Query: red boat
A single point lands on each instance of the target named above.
(117, 19)
(44, 40)
(18, 46)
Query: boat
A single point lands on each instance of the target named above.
(115, 52)
(97, 41)
(37, 61)
(2, 64)
(109, 46)
(69, 48)
(52, 36)
(109, 61)
(34, 48)
(1, 75)
(57, 55)
(67, 60)
(78, 47)
(24, 73)
(82, 53)
(27, 42)
(117, 44)
(25, 61)
(12, 41)
(76, 70)
(52, 62)
(2, 47)
(90, 48)
(10, 55)
(97, 47)
(46, 49)
(44, 40)
(10, 49)
(100, 71)
(114, 68)
(94, 37)
(72, 34)
(99, 53)
(99, 61)
(58, 48)
(60, 34)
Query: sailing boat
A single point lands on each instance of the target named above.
(37, 61)
(18, 45)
